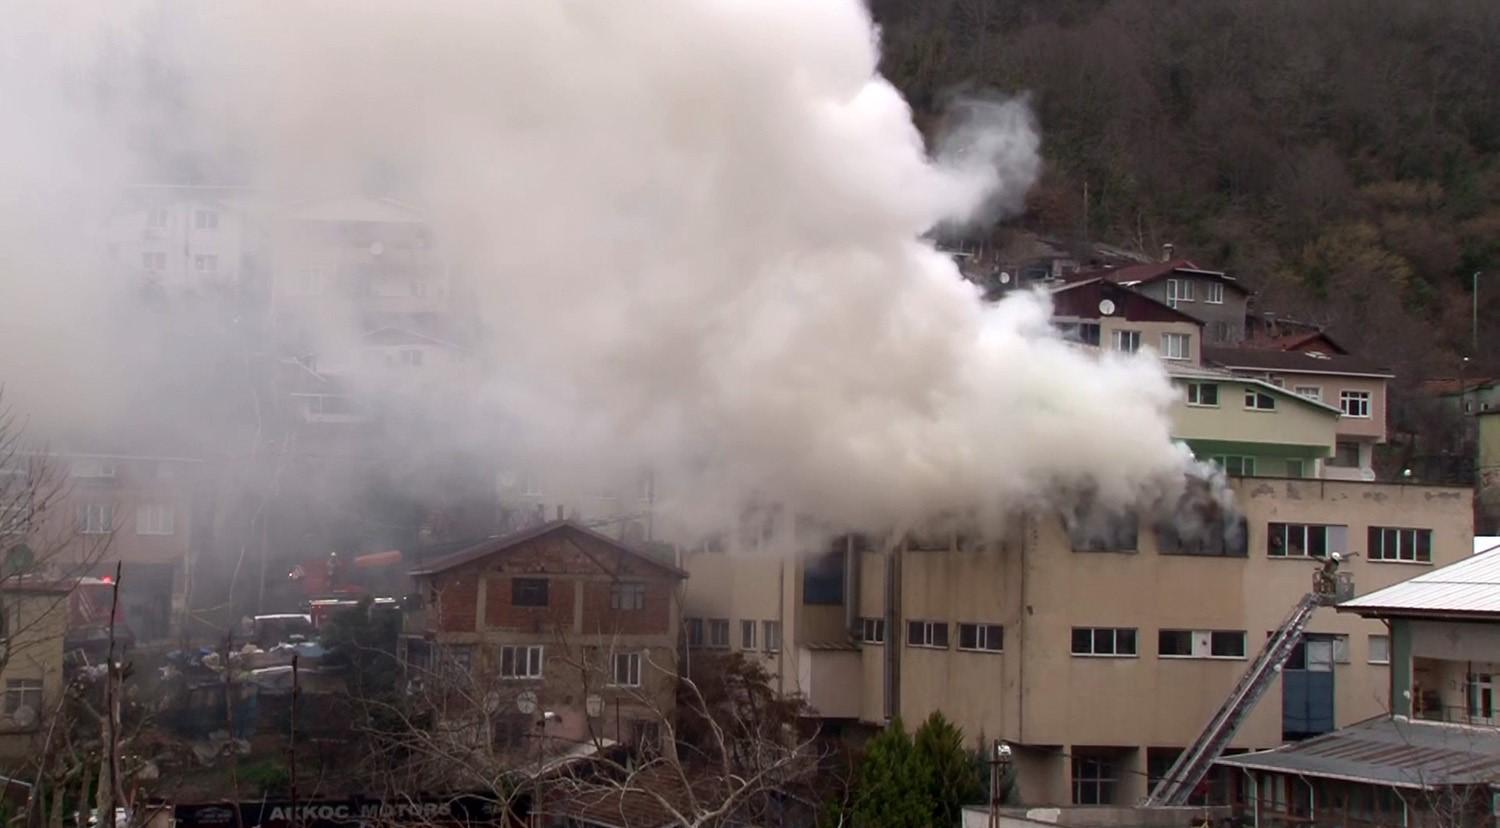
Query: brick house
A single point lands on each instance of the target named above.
(557, 619)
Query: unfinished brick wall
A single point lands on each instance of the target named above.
(652, 619)
(500, 613)
(457, 603)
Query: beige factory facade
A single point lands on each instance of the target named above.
(1096, 665)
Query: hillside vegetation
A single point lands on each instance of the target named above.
(1340, 156)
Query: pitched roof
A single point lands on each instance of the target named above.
(1443, 386)
(1303, 362)
(496, 545)
(1081, 299)
(1197, 373)
(1469, 588)
(1148, 272)
(1393, 751)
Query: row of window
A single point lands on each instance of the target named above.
(155, 261)
(1283, 540)
(765, 635)
(525, 662)
(1173, 345)
(536, 593)
(150, 519)
(156, 219)
(1354, 404)
(1182, 290)
(1122, 642)
(978, 637)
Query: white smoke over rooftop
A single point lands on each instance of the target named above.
(692, 230)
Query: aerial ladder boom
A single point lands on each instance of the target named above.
(1193, 764)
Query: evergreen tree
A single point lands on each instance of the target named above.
(891, 788)
(952, 780)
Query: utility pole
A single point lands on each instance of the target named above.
(111, 712)
(999, 769)
(1474, 317)
(291, 760)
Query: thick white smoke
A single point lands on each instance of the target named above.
(691, 227)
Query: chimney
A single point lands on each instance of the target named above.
(1166, 252)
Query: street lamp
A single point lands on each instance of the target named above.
(1474, 317)
(999, 770)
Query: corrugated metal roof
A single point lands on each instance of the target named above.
(1471, 585)
(1392, 751)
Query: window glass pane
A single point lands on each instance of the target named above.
(1174, 642)
(1125, 642)
(940, 634)
(915, 633)
(1228, 644)
(1104, 641)
(1083, 640)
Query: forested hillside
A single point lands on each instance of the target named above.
(1341, 156)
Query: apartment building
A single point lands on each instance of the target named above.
(187, 238)
(33, 620)
(1354, 385)
(104, 508)
(1212, 297)
(557, 628)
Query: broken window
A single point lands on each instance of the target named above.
(1094, 528)
(528, 592)
(823, 577)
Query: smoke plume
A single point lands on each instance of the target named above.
(691, 233)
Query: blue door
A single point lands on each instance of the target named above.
(1307, 689)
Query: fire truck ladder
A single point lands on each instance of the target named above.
(1193, 764)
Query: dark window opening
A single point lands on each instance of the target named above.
(528, 592)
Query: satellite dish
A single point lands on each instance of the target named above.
(594, 704)
(376, 248)
(491, 702)
(1107, 307)
(1004, 277)
(23, 716)
(526, 702)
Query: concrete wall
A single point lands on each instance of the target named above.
(1349, 428)
(1291, 423)
(1227, 318)
(1151, 333)
(35, 624)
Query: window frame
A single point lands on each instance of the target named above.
(693, 631)
(1315, 396)
(985, 635)
(771, 636)
(632, 664)
(1420, 539)
(1335, 539)
(1370, 648)
(1246, 464)
(520, 587)
(872, 630)
(715, 625)
(1118, 335)
(1214, 295)
(1174, 354)
(1135, 645)
(929, 634)
(24, 691)
(1102, 781)
(1209, 638)
(1253, 398)
(160, 519)
(748, 631)
(1196, 389)
(523, 657)
(1363, 400)
(627, 596)
(85, 514)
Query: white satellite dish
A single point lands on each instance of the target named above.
(1107, 307)
(594, 704)
(491, 702)
(23, 716)
(1004, 278)
(526, 702)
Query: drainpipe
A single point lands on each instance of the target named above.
(1254, 792)
(852, 564)
(893, 625)
(1405, 807)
